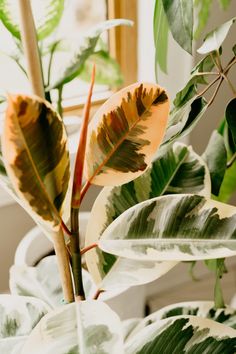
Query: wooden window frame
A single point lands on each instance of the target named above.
(122, 46)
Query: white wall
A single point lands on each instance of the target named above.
(179, 62)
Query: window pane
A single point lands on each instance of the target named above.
(79, 16)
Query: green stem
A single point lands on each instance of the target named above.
(54, 46)
(75, 254)
(231, 86)
(216, 91)
(231, 161)
(218, 294)
(59, 101)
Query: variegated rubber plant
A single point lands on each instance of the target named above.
(154, 211)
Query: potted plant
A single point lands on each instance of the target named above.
(150, 215)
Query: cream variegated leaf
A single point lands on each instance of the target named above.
(205, 309)
(88, 327)
(180, 170)
(43, 282)
(34, 145)
(19, 315)
(185, 335)
(12, 345)
(125, 133)
(173, 227)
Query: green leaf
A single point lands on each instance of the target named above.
(179, 14)
(204, 309)
(230, 116)
(43, 282)
(228, 186)
(215, 156)
(174, 227)
(125, 133)
(204, 7)
(19, 315)
(47, 15)
(180, 170)
(86, 327)
(224, 3)
(107, 69)
(183, 334)
(160, 32)
(191, 88)
(182, 120)
(215, 38)
(36, 156)
(79, 57)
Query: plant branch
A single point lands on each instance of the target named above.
(231, 161)
(207, 73)
(229, 83)
(75, 255)
(65, 228)
(63, 266)
(88, 248)
(59, 101)
(229, 65)
(31, 50)
(75, 199)
(98, 293)
(216, 91)
(208, 86)
(80, 156)
(54, 46)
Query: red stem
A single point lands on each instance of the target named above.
(99, 291)
(80, 156)
(65, 228)
(88, 248)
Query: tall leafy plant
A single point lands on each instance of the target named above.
(155, 210)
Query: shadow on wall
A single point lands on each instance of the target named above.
(14, 225)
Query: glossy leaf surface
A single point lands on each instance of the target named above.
(215, 156)
(89, 327)
(183, 334)
(182, 120)
(125, 133)
(204, 309)
(230, 115)
(160, 32)
(179, 14)
(214, 39)
(35, 153)
(180, 170)
(173, 227)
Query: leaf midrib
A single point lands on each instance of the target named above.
(117, 145)
(35, 170)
